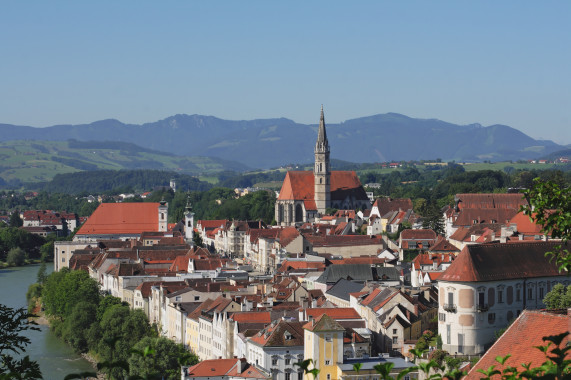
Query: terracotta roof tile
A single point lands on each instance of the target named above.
(520, 340)
(122, 218)
(481, 201)
(299, 185)
(334, 312)
(495, 261)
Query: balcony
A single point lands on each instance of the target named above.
(482, 308)
(450, 307)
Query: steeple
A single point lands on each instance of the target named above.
(322, 170)
(188, 221)
(322, 145)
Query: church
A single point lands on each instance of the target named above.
(305, 195)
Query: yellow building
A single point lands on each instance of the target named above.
(324, 345)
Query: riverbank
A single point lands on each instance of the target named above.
(4, 265)
(42, 320)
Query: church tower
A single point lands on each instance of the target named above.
(188, 222)
(322, 169)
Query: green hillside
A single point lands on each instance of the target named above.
(38, 161)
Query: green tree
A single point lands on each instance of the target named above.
(15, 220)
(550, 207)
(64, 289)
(16, 257)
(162, 361)
(76, 326)
(13, 322)
(41, 277)
(559, 297)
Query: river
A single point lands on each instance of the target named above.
(56, 358)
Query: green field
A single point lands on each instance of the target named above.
(37, 161)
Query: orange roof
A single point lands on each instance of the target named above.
(525, 225)
(491, 200)
(225, 368)
(122, 218)
(252, 317)
(520, 340)
(300, 185)
(211, 224)
(333, 312)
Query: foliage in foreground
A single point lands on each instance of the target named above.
(557, 365)
(13, 322)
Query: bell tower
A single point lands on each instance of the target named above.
(322, 169)
(188, 222)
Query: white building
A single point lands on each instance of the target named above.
(487, 286)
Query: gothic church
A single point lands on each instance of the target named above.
(305, 195)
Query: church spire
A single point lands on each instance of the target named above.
(322, 145)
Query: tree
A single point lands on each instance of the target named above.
(12, 323)
(64, 289)
(42, 276)
(559, 297)
(159, 358)
(16, 257)
(15, 220)
(550, 206)
(197, 240)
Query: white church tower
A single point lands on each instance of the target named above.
(163, 215)
(188, 222)
(322, 169)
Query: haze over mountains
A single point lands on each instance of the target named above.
(266, 143)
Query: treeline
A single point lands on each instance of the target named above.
(15, 201)
(17, 246)
(436, 187)
(107, 328)
(107, 181)
(219, 203)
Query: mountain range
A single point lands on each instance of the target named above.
(266, 143)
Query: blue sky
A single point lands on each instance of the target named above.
(487, 62)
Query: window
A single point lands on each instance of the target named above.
(328, 376)
(274, 361)
(328, 338)
(530, 294)
(287, 376)
(491, 317)
(450, 298)
(541, 293)
(327, 362)
(448, 334)
(500, 296)
(63, 259)
(481, 298)
(300, 376)
(394, 331)
(442, 317)
(518, 294)
(395, 340)
(196, 298)
(288, 361)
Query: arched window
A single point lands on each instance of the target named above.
(280, 213)
(298, 213)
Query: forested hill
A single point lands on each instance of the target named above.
(116, 181)
(274, 142)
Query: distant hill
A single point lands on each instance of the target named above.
(38, 161)
(269, 143)
(557, 154)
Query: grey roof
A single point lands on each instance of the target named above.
(355, 272)
(388, 273)
(343, 288)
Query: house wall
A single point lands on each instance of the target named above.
(468, 329)
(63, 250)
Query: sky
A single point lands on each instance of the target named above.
(488, 62)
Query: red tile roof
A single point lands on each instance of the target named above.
(429, 258)
(418, 235)
(251, 317)
(287, 235)
(334, 312)
(225, 368)
(211, 224)
(122, 218)
(466, 217)
(387, 204)
(525, 224)
(299, 185)
(344, 240)
(495, 261)
(520, 341)
(498, 201)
